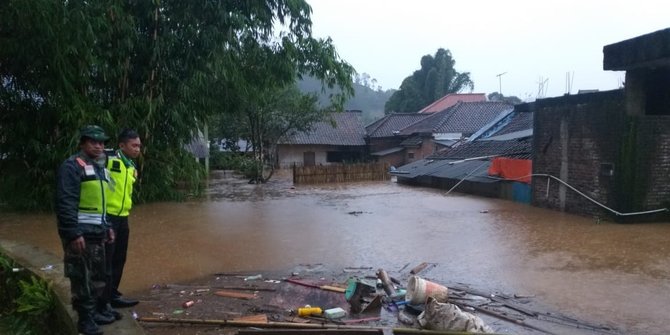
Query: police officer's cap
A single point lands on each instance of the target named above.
(93, 132)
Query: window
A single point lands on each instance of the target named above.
(410, 155)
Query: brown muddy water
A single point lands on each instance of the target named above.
(603, 272)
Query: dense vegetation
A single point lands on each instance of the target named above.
(167, 68)
(436, 78)
(28, 303)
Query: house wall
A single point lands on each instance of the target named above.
(290, 155)
(573, 136)
(395, 159)
(383, 143)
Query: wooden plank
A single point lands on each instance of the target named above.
(386, 282)
(332, 288)
(418, 268)
(260, 318)
(237, 295)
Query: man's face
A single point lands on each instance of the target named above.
(92, 148)
(131, 148)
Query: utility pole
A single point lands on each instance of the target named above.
(499, 75)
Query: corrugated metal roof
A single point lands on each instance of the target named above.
(474, 170)
(348, 130)
(421, 167)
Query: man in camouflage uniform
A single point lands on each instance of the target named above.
(82, 226)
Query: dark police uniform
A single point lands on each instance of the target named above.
(122, 173)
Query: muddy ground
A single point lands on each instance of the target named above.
(171, 309)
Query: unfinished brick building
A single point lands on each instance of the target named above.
(613, 146)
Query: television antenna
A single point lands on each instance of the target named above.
(499, 75)
(569, 79)
(542, 85)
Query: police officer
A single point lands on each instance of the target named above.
(80, 209)
(123, 174)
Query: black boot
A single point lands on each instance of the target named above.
(103, 319)
(107, 311)
(121, 302)
(87, 326)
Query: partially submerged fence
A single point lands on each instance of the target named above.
(340, 173)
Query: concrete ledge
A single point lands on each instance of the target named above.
(32, 259)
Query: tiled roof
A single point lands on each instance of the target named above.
(517, 148)
(413, 141)
(450, 100)
(428, 124)
(389, 124)
(348, 130)
(464, 117)
(520, 121)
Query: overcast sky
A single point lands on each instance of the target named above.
(526, 40)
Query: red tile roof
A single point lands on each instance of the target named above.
(452, 99)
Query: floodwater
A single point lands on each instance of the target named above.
(602, 272)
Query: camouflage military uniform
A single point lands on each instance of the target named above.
(83, 228)
(87, 274)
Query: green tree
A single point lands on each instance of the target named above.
(436, 78)
(495, 96)
(164, 67)
(271, 115)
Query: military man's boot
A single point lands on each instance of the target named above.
(107, 311)
(103, 319)
(87, 326)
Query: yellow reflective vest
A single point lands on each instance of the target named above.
(92, 196)
(123, 174)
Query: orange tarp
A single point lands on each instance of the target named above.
(512, 169)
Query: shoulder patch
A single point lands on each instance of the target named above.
(80, 162)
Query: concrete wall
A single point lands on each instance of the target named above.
(32, 259)
(573, 136)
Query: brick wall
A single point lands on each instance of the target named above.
(654, 138)
(573, 136)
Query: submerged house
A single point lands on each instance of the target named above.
(494, 161)
(384, 139)
(613, 146)
(450, 127)
(342, 140)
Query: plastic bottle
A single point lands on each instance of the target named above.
(309, 310)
